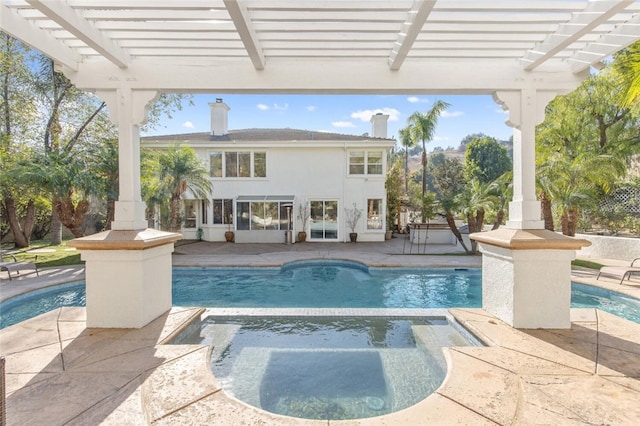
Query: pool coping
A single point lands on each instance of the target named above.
(112, 376)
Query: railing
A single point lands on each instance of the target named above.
(3, 399)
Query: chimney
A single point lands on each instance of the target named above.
(219, 115)
(379, 125)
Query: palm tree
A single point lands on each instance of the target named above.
(473, 202)
(573, 184)
(628, 65)
(502, 190)
(407, 142)
(181, 170)
(423, 128)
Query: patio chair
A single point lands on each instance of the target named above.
(16, 267)
(621, 271)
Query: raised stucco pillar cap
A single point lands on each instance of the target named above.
(125, 240)
(529, 239)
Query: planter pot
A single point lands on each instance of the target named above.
(229, 236)
(353, 236)
(388, 235)
(302, 237)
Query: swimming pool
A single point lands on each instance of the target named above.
(317, 284)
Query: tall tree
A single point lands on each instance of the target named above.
(450, 181)
(423, 127)
(486, 159)
(17, 111)
(407, 142)
(42, 115)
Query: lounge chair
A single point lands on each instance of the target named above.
(621, 271)
(16, 267)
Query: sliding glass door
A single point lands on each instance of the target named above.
(324, 220)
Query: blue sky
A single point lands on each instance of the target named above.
(349, 114)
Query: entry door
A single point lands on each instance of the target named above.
(324, 219)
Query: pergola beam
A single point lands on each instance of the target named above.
(240, 16)
(68, 19)
(411, 28)
(596, 13)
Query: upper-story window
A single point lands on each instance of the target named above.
(365, 162)
(238, 164)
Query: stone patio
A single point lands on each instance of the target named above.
(60, 372)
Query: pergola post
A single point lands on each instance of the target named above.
(128, 269)
(526, 270)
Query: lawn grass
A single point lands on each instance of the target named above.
(579, 263)
(62, 256)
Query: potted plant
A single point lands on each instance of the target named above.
(229, 234)
(304, 213)
(353, 216)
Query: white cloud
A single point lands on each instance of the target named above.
(343, 124)
(188, 125)
(502, 111)
(262, 107)
(415, 100)
(365, 115)
(450, 114)
(312, 108)
(440, 138)
(278, 107)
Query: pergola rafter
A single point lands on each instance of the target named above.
(568, 36)
(67, 18)
(595, 14)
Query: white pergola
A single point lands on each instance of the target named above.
(523, 52)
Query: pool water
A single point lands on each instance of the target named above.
(329, 284)
(326, 367)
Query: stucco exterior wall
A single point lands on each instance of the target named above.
(307, 173)
(621, 248)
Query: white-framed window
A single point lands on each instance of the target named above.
(222, 211)
(190, 213)
(365, 162)
(269, 212)
(374, 213)
(237, 164)
(204, 212)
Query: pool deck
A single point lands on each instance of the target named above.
(60, 372)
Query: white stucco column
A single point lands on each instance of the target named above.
(128, 110)
(526, 110)
(526, 269)
(128, 268)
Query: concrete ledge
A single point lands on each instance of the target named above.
(602, 246)
(528, 239)
(139, 239)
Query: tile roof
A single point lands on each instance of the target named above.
(262, 135)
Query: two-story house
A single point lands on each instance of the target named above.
(263, 178)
